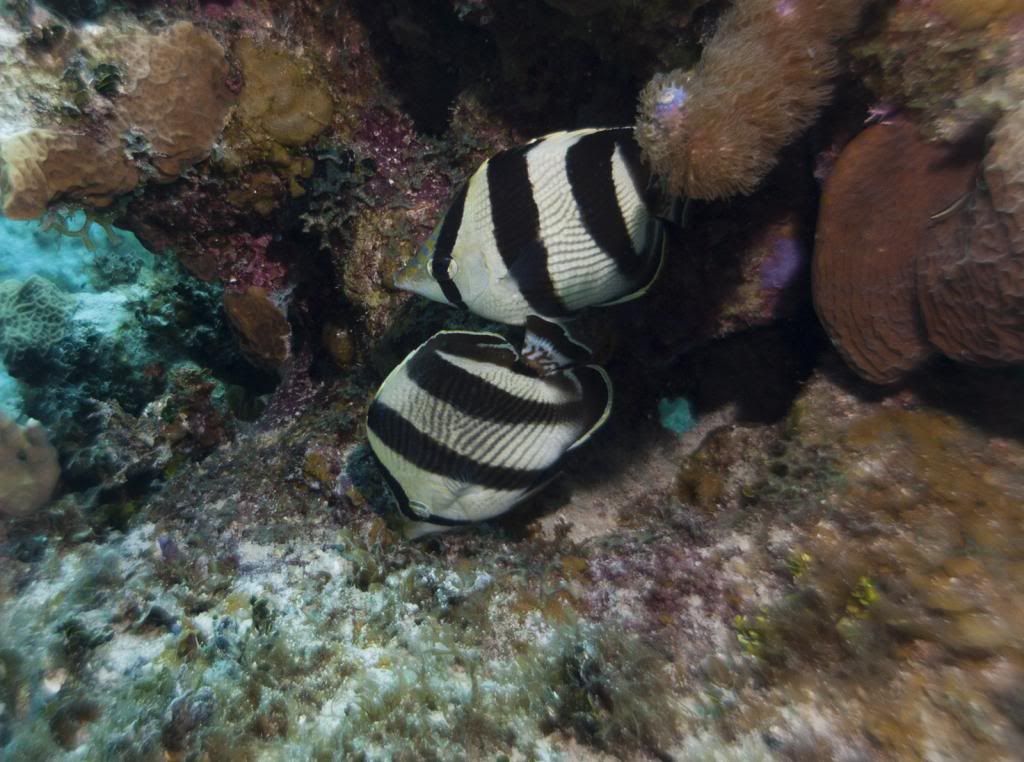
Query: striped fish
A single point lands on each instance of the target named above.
(466, 428)
(561, 223)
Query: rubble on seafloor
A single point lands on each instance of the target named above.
(761, 556)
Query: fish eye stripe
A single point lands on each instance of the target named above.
(589, 168)
(425, 453)
(479, 398)
(446, 244)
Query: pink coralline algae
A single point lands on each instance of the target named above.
(242, 262)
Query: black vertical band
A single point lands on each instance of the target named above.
(588, 165)
(516, 221)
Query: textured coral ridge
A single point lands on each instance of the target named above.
(761, 81)
(971, 281)
(158, 115)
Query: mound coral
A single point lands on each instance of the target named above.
(164, 104)
(281, 99)
(263, 331)
(28, 468)
(875, 213)
(762, 79)
(913, 255)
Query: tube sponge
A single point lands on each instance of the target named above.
(762, 79)
(28, 468)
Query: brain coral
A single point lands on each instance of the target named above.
(170, 106)
(33, 313)
(28, 468)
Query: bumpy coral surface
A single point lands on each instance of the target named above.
(157, 110)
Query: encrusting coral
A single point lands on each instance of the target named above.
(164, 105)
(716, 131)
(263, 330)
(28, 467)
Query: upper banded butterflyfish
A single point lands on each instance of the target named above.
(466, 427)
(567, 221)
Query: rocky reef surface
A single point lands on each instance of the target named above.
(800, 535)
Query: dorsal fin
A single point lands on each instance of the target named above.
(548, 347)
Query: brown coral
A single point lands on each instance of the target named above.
(281, 99)
(181, 103)
(971, 279)
(761, 81)
(28, 468)
(873, 222)
(170, 111)
(39, 165)
(263, 330)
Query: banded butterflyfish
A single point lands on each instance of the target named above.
(466, 427)
(567, 221)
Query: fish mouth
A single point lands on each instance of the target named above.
(410, 275)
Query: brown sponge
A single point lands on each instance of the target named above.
(762, 79)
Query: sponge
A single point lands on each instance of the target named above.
(28, 468)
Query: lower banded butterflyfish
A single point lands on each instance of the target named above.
(466, 427)
(567, 221)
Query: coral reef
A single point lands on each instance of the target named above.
(955, 64)
(762, 556)
(762, 79)
(971, 279)
(28, 468)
